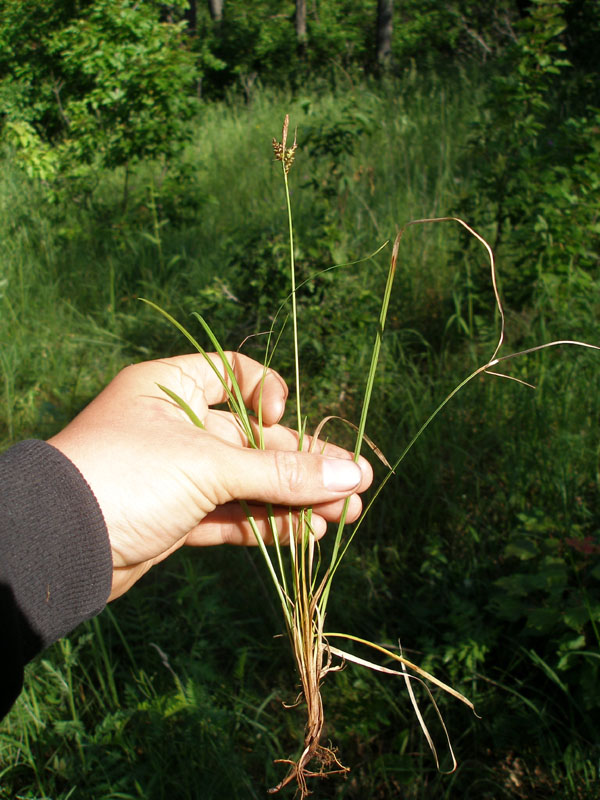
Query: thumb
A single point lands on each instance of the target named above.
(291, 478)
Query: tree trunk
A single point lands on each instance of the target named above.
(301, 25)
(216, 10)
(191, 16)
(384, 31)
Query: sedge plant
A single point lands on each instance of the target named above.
(301, 574)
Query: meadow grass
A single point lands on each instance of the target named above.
(77, 265)
(178, 690)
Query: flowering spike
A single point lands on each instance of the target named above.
(284, 132)
(283, 154)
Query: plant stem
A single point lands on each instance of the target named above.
(294, 306)
(364, 411)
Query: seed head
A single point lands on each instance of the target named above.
(282, 153)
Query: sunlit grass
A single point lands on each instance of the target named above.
(70, 274)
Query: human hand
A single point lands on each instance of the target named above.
(162, 482)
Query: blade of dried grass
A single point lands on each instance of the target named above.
(407, 679)
(352, 425)
(414, 667)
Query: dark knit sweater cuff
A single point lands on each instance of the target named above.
(55, 555)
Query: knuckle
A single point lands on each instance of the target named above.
(289, 470)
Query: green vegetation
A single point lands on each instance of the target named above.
(481, 555)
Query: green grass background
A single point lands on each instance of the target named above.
(480, 556)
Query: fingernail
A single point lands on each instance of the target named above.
(340, 475)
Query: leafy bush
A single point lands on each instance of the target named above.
(535, 158)
(109, 83)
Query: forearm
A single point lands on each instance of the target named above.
(55, 558)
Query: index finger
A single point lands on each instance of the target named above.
(205, 381)
(259, 386)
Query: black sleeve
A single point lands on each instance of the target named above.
(55, 558)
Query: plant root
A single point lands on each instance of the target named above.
(325, 757)
(328, 762)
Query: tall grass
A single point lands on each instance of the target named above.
(77, 263)
(502, 466)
